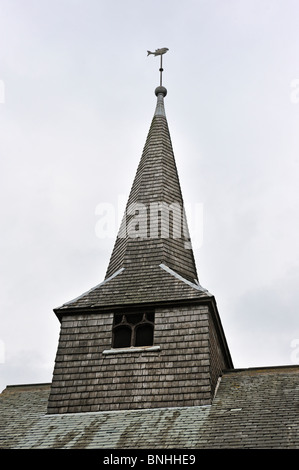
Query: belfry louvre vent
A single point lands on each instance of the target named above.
(136, 329)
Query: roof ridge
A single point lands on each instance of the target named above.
(126, 411)
(261, 369)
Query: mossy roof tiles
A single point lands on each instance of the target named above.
(253, 409)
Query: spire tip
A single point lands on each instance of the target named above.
(161, 90)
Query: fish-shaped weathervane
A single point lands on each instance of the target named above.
(161, 51)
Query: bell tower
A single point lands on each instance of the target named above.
(149, 335)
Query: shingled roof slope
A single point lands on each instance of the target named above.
(155, 262)
(253, 408)
(21, 407)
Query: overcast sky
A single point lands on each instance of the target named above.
(76, 102)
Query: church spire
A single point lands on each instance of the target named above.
(154, 225)
(152, 259)
(149, 335)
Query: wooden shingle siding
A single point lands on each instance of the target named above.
(178, 374)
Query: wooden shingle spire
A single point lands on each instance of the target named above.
(154, 228)
(152, 259)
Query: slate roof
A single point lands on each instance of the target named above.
(150, 267)
(252, 409)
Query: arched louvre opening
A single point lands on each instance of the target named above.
(144, 335)
(122, 336)
(136, 329)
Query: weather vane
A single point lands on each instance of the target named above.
(159, 52)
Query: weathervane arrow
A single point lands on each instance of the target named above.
(159, 52)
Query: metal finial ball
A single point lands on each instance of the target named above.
(161, 90)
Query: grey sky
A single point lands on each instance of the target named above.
(78, 102)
